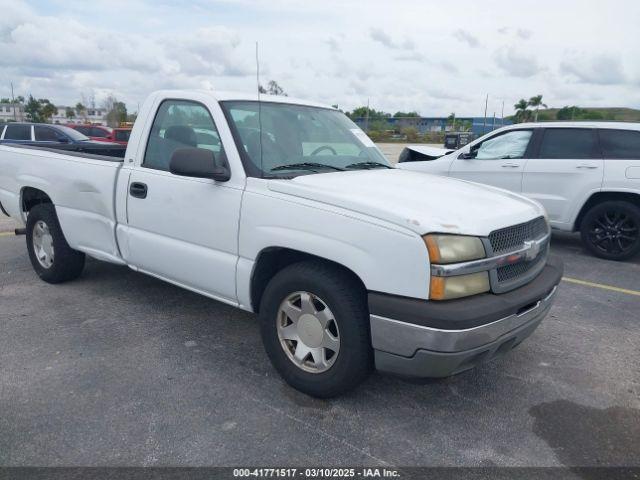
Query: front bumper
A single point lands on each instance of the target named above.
(437, 339)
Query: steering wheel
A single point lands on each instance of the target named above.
(324, 147)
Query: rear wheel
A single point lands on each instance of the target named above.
(51, 256)
(315, 328)
(611, 230)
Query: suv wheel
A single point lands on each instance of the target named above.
(315, 328)
(611, 230)
(51, 256)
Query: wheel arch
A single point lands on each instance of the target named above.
(32, 196)
(272, 260)
(605, 196)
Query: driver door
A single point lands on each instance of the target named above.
(498, 161)
(184, 229)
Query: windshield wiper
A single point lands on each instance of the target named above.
(305, 166)
(367, 165)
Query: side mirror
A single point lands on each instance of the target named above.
(199, 163)
(62, 139)
(467, 155)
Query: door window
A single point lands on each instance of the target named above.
(181, 124)
(45, 134)
(569, 143)
(507, 145)
(18, 132)
(98, 132)
(620, 144)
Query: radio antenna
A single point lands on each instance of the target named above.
(259, 107)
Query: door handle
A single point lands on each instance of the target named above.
(510, 165)
(588, 167)
(138, 190)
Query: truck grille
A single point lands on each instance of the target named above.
(512, 238)
(517, 270)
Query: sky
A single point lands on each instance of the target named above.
(434, 57)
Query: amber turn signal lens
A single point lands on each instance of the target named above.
(448, 288)
(432, 247)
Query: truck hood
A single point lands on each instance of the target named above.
(420, 202)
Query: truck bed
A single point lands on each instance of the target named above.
(81, 186)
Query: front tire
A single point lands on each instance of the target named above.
(51, 256)
(611, 230)
(315, 328)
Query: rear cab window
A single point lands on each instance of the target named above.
(569, 143)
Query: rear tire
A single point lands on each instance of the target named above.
(611, 230)
(315, 328)
(51, 256)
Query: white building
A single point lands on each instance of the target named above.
(90, 115)
(11, 112)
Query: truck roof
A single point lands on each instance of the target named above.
(229, 95)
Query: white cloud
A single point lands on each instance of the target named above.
(379, 35)
(516, 63)
(599, 69)
(404, 55)
(466, 37)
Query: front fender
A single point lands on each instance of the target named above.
(387, 258)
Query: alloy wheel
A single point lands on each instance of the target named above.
(308, 332)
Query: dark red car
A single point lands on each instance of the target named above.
(101, 133)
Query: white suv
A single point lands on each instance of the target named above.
(586, 175)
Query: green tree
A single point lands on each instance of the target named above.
(272, 89)
(465, 126)
(69, 113)
(536, 102)
(33, 110)
(47, 110)
(365, 112)
(451, 120)
(413, 114)
(81, 110)
(523, 114)
(411, 133)
(569, 113)
(116, 111)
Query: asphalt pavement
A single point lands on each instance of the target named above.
(118, 368)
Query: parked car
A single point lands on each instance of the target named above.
(101, 133)
(57, 137)
(419, 153)
(299, 218)
(586, 175)
(121, 135)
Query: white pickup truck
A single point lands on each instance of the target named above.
(285, 208)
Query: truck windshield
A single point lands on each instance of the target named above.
(281, 139)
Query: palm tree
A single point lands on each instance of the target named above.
(537, 103)
(522, 114)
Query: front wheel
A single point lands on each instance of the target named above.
(315, 328)
(611, 230)
(51, 256)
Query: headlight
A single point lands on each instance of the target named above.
(448, 288)
(453, 248)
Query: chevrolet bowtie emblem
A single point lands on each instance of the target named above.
(532, 250)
